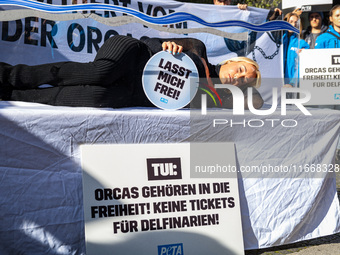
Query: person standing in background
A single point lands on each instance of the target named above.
(292, 45)
(331, 38)
(315, 28)
(229, 2)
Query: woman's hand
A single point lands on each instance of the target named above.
(277, 12)
(173, 47)
(298, 11)
(242, 6)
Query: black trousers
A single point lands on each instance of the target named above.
(113, 79)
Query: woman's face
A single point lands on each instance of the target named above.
(237, 73)
(335, 18)
(293, 20)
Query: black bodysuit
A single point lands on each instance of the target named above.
(113, 79)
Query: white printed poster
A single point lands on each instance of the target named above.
(321, 78)
(170, 81)
(150, 199)
(35, 37)
(71, 31)
(293, 3)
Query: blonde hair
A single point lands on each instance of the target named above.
(335, 7)
(289, 15)
(257, 82)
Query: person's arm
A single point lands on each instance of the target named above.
(303, 45)
(181, 44)
(274, 14)
(298, 11)
(189, 44)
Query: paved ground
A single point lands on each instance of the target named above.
(328, 245)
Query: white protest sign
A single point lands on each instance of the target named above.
(322, 77)
(40, 37)
(46, 37)
(170, 81)
(141, 199)
(293, 3)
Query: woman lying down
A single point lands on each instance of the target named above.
(114, 78)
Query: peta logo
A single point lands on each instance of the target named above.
(171, 249)
(335, 59)
(164, 168)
